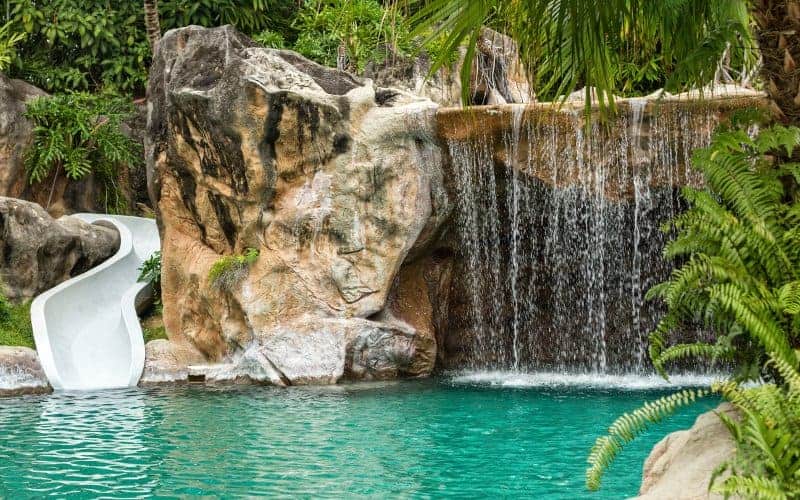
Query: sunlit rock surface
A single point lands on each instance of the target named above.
(497, 74)
(38, 252)
(21, 372)
(681, 465)
(335, 181)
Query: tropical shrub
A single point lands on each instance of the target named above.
(8, 41)
(364, 27)
(150, 272)
(229, 270)
(271, 39)
(78, 134)
(616, 46)
(740, 242)
(740, 246)
(100, 44)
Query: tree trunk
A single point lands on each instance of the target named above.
(152, 23)
(778, 34)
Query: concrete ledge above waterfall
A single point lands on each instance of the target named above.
(648, 137)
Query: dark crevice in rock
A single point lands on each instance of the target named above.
(332, 81)
(224, 218)
(385, 97)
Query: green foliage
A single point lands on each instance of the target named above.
(154, 333)
(628, 426)
(615, 45)
(100, 44)
(229, 270)
(365, 28)
(81, 45)
(150, 272)
(76, 134)
(8, 41)
(767, 462)
(15, 323)
(740, 246)
(270, 39)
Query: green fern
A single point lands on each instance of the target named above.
(767, 462)
(78, 134)
(628, 426)
(739, 244)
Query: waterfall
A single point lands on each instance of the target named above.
(559, 234)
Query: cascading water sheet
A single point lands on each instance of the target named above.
(560, 235)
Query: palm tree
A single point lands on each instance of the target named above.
(778, 33)
(152, 24)
(567, 44)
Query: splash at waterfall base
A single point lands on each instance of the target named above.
(396, 238)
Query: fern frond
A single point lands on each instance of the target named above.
(630, 425)
(754, 487)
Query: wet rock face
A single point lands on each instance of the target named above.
(334, 181)
(21, 372)
(38, 252)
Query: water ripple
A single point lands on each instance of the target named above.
(422, 439)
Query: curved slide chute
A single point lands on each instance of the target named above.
(86, 329)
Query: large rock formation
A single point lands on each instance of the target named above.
(21, 372)
(681, 465)
(337, 183)
(497, 74)
(38, 252)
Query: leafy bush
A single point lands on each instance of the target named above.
(78, 134)
(150, 272)
(364, 27)
(99, 44)
(231, 269)
(740, 280)
(270, 39)
(8, 41)
(741, 245)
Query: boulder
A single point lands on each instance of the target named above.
(21, 373)
(498, 75)
(681, 465)
(336, 183)
(16, 133)
(38, 252)
(167, 362)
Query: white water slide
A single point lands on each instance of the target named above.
(86, 329)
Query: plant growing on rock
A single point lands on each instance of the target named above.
(78, 134)
(229, 270)
(150, 272)
(767, 464)
(740, 280)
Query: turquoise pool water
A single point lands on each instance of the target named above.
(484, 436)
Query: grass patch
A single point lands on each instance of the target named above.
(153, 324)
(229, 270)
(15, 324)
